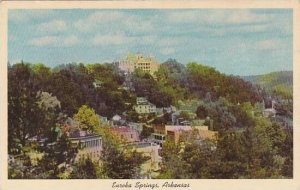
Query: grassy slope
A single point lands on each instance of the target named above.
(279, 82)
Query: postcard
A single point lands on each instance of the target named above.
(149, 95)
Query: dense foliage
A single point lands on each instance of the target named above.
(248, 145)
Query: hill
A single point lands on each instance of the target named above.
(280, 83)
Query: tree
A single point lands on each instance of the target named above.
(146, 132)
(67, 86)
(132, 115)
(201, 112)
(129, 161)
(55, 163)
(58, 156)
(185, 115)
(42, 73)
(202, 79)
(22, 108)
(87, 118)
(231, 155)
(50, 110)
(86, 169)
(172, 166)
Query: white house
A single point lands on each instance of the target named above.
(143, 106)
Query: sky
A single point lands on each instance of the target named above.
(234, 41)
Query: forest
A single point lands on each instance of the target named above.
(249, 145)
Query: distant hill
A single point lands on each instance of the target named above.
(280, 83)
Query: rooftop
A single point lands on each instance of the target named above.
(178, 128)
(141, 145)
(123, 129)
(79, 134)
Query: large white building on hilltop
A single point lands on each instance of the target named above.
(138, 61)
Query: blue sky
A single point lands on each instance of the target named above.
(234, 41)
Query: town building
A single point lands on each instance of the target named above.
(174, 133)
(117, 120)
(204, 133)
(141, 100)
(151, 167)
(159, 135)
(138, 61)
(127, 134)
(89, 145)
(143, 106)
(168, 110)
(158, 138)
(136, 126)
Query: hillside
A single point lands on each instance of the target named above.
(280, 83)
(52, 103)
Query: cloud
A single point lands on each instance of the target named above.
(170, 41)
(240, 17)
(146, 39)
(103, 17)
(107, 21)
(218, 17)
(111, 39)
(71, 40)
(44, 41)
(259, 46)
(55, 41)
(219, 23)
(52, 26)
(139, 26)
(235, 30)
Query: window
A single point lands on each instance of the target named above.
(131, 136)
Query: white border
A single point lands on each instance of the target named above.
(200, 184)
